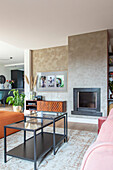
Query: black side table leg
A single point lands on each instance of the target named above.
(34, 150)
(24, 131)
(66, 128)
(24, 136)
(42, 122)
(54, 137)
(5, 145)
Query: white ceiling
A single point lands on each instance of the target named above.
(36, 24)
(7, 51)
(39, 24)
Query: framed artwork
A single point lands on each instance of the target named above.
(42, 82)
(52, 81)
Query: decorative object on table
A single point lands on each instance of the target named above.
(38, 97)
(10, 83)
(32, 95)
(2, 79)
(17, 100)
(2, 97)
(111, 60)
(111, 74)
(27, 79)
(52, 81)
(1, 86)
(10, 87)
(33, 82)
(111, 88)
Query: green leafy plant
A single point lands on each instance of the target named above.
(111, 85)
(17, 99)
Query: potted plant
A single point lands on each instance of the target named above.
(17, 100)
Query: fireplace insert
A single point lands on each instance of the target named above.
(86, 101)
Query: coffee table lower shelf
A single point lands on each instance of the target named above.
(44, 143)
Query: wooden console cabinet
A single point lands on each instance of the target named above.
(50, 106)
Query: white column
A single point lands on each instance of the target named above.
(27, 72)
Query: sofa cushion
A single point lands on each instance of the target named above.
(100, 153)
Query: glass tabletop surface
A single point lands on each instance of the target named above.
(44, 115)
(31, 124)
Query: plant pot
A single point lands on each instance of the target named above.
(17, 108)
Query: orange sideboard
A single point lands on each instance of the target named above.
(51, 106)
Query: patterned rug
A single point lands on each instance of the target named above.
(69, 155)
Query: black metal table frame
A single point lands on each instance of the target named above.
(65, 136)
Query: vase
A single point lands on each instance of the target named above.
(10, 86)
(1, 86)
(17, 108)
(32, 95)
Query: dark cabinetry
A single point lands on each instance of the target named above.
(18, 77)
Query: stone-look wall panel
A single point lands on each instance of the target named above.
(50, 59)
(47, 60)
(87, 65)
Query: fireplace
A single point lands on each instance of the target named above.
(86, 101)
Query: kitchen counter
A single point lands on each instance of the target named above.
(11, 89)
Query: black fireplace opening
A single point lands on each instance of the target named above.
(86, 101)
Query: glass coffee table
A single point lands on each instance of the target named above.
(41, 142)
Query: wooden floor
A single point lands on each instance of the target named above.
(71, 125)
(79, 126)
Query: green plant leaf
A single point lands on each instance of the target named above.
(17, 99)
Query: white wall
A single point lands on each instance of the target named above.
(5, 71)
(27, 71)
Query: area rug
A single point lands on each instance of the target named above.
(69, 155)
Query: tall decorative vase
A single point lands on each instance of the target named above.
(32, 95)
(10, 86)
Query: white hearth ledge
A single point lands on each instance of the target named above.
(90, 120)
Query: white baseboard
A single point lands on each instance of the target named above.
(83, 120)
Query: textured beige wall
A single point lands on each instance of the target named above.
(47, 60)
(85, 58)
(50, 59)
(87, 65)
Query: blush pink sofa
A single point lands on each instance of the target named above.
(99, 156)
